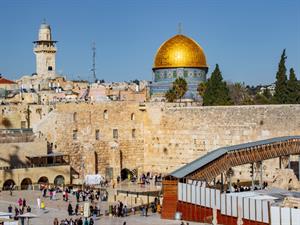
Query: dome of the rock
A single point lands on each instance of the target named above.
(180, 51)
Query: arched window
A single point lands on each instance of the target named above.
(132, 117)
(43, 180)
(105, 114)
(8, 184)
(26, 184)
(59, 180)
(133, 133)
(75, 117)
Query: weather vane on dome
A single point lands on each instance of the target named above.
(179, 28)
(44, 21)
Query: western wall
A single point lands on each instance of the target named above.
(157, 137)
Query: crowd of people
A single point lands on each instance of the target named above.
(76, 210)
(19, 210)
(77, 221)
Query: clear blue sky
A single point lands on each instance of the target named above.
(245, 38)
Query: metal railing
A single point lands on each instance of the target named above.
(33, 166)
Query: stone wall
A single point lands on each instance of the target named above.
(179, 135)
(167, 136)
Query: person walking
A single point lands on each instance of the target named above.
(55, 222)
(91, 221)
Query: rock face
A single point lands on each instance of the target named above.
(285, 179)
(156, 137)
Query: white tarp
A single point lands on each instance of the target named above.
(93, 179)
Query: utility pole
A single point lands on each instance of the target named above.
(94, 61)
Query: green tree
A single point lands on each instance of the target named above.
(293, 88)
(170, 95)
(238, 93)
(202, 88)
(261, 99)
(217, 92)
(281, 93)
(180, 87)
(267, 93)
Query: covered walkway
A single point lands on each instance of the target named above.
(209, 166)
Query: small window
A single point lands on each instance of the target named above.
(75, 134)
(185, 73)
(115, 133)
(97, 135)
(133, 132)
(49, 68)
(75, 117)
(174, 74)
(132, 116)
(105, 114)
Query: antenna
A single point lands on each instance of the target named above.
(179, 28)
(94, 61)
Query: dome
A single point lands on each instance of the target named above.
(180, 51)
(45, 26)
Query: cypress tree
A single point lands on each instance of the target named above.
(281, 93)
(293, 88)
(217, 92)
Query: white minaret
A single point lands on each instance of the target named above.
(45, 50)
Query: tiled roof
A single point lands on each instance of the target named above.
(5, 81)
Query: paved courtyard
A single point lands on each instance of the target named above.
(58, 209)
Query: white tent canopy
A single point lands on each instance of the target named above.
(93, 179)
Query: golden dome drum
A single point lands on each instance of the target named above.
(180, 51)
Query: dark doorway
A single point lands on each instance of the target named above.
(125, 174)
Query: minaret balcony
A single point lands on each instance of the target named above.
(44, 49)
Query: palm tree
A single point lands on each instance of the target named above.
(180, 87)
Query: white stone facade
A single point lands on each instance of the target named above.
(45, 51)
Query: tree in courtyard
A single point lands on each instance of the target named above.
(281, 93)
(293, 88)
(217, 92)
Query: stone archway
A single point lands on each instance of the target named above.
(43, 180)
(59, 180)
(8, 184)
(125, 174)
(26, 184)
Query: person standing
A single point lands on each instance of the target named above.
(20, 202)
(70, 209)
(38, 200)
(55, 222)
(42, 204)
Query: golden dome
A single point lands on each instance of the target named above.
(180, 51)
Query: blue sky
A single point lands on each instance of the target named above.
(245, 38)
